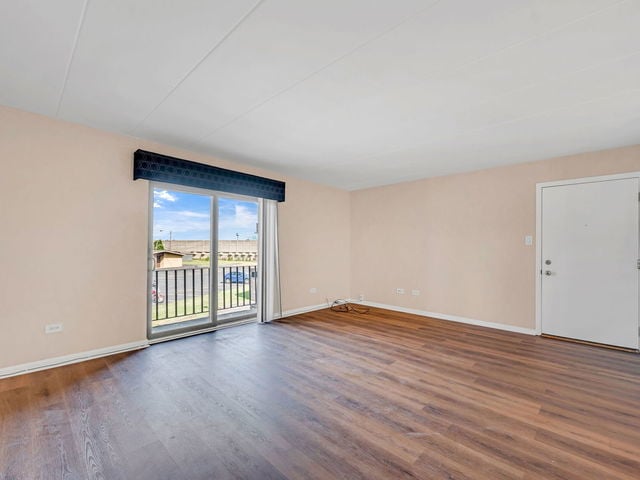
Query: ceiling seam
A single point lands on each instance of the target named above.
(453, 69)
(76, 38)
(524, 117)
(324, 67)
(506, 93)
(540, 113)
(419, 12)
(531, 38)
(559, 78)
(193, 69)
(513, 120)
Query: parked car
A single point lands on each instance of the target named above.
(235, 277)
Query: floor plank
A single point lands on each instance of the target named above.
(331, 395)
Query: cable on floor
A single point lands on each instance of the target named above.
(345, 307)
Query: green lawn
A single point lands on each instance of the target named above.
(221, 263)
(159, 311)
(199, 263)
(186, 308)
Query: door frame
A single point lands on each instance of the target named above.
(213, 323)
(539, 191)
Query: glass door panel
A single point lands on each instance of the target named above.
(181, 248)
(237, 258)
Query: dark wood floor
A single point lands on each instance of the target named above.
(331, 395)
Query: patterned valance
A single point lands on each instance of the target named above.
(162, 168)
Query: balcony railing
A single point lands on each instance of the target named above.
(184, 292)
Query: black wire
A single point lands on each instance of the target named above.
(339, 306)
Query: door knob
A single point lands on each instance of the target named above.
(548, 273)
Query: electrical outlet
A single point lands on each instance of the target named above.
(361, 297)
(313, 290)
(528, 240)
(415, 293)
(400, 291)
(53, 328)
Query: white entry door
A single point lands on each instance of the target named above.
(589, 259)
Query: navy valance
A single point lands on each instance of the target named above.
(162, 168)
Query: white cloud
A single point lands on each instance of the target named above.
(190, 214)
(179, 226)
(196, 224)
(242, 219)
(159, 195)
(184, 223)
(164, 195)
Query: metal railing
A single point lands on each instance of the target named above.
(235, 277)
(184, 291)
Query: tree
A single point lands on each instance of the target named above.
(158, 245)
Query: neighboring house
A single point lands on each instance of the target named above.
(167, 259)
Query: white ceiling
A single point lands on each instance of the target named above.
(350, 93)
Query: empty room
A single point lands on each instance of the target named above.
(278, 239)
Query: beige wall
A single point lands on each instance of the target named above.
(462, 238)
(61, 181)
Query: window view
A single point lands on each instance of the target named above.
(237, 257)
(181, 274)
(183, 290)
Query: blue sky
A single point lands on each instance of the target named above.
(187, 216)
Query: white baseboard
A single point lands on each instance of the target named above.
(69, 359)
(451, 318)
(298, 311)
(103, 352)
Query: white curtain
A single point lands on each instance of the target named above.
(270, 302)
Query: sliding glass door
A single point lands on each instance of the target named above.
(203, 260)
